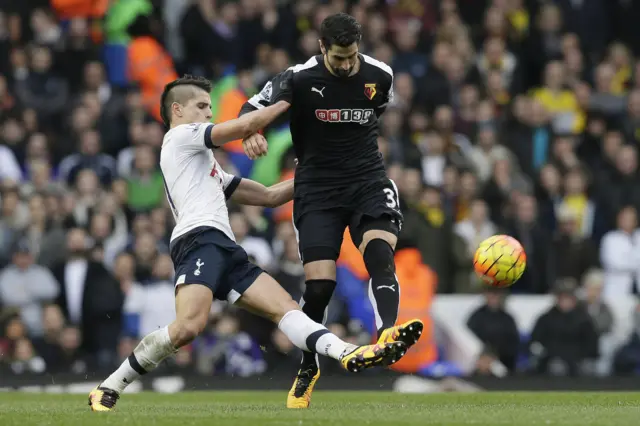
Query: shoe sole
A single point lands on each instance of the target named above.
(409, 335)
(382, 357)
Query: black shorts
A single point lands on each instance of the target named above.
(207, 256)
(320, 225)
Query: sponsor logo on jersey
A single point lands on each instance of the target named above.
(360, 116)
(370, 90)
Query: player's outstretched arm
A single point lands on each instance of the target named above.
(247, 124)
(253, 193)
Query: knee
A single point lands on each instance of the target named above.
(186, 330)
(319, 291)
(377, 234)
(379, 256)
(320, 270)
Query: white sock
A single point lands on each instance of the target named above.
(302, 331)
(332, 346)
(149, 353)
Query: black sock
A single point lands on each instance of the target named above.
(316, 298)
(384, 290)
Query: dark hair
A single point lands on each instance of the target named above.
(169, 98)
(340, 29)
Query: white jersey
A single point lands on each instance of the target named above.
(196, 186)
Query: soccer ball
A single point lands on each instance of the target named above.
(500, 261)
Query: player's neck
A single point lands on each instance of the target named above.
(176, 123)
(356, 67)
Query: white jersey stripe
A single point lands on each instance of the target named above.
(384, 67)
(312, 62)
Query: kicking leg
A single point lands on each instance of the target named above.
(193, 303)
(377, 248)
(269, 298)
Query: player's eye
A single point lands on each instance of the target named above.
(345, 59)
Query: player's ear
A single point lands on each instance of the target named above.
(322, 49)
(177, 109)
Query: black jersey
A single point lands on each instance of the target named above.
(333, 121)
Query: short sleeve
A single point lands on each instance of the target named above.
(278, 88)
(390, 94)
(263, 98)
(196, 136)
(229, 183)
(387, 98)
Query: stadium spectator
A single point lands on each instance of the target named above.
(90, 298)
(536, 242)
(620, 253)
(146, 307)
(579, 253)
(419, 284)
(496, 328)
(564, 341)
(27, 286)
(476, 228)
(597, 308)
(627, 358)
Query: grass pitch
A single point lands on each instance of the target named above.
(328, 409)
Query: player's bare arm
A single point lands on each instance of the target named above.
(247, 124)
(253, 193)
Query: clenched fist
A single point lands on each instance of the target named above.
(255, 146)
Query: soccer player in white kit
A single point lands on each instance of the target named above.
(207, 260)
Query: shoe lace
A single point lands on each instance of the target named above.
(109, 398)
(303, 382)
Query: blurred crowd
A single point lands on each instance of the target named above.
(510, 116)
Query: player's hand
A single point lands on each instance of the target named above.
(255, 146)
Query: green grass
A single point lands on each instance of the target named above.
(328, 409)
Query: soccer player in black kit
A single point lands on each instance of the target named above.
(340, 180)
